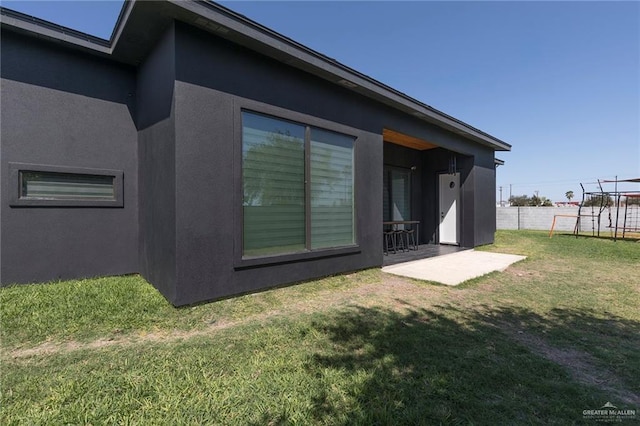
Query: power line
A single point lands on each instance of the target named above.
(556, 182)
(589, 181)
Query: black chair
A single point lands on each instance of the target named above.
(400, 237)
(409, 235)
(389, 240)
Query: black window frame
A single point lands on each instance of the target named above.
(240, 260)
(17, 198)
(387, 171)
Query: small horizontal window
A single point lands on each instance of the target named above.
(39, 185)
(66, 186)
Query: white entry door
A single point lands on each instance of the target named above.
(449, 228)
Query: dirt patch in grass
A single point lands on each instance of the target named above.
(579, 364)
(524, 273)
(53, 348)
(394, 292)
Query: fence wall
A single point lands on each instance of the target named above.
(541, 218)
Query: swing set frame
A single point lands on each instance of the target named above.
(617, 205)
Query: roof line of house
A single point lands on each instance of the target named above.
(435, 113)
(123, 17)
(302, 57)
(47, 29)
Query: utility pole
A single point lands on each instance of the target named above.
(501, 197)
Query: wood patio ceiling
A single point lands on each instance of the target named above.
(398, 138)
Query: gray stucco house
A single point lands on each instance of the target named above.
(217, 157)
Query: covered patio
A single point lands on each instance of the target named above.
(425, 251)
(422, 194)
(454, 268)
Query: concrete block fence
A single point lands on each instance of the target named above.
(536, 218)
(541, 218)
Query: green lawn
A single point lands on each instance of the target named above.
(552, 336)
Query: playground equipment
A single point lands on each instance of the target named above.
(615, 210)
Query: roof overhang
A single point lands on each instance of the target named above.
(141, 23)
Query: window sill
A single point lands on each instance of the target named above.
(253, 262)
(58, 202)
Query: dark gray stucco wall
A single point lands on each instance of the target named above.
(215, 78)
(205, 216)
(63, 108)
(207, 184)
(468, 194)
(207, 61)
(157, 165)
(485, 206)
(207, 191)
(179, 225)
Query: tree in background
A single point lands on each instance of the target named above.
(519, 200)
(540, 201)
(546, 202)
(534, 201)
(633, 201)
(599, 200)
(569, 195)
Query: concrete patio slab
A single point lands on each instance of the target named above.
(454, 268)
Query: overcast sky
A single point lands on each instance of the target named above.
(560, 81)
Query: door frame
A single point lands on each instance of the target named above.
(458, 211)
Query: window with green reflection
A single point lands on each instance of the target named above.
(273, 184)
(66, 186)
(283, 213)
(332, 210)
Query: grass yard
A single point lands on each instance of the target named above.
(551, 336)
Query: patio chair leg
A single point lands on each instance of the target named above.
(389, 237)
(411, 239)
(400, 241)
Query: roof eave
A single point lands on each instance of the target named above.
(21, 22)
(300, 56)
(225, 23)
(122, 20)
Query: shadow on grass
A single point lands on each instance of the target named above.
(447, 366)
(609, 342)
(633, 238)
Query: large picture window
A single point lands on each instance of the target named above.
(297, 187)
